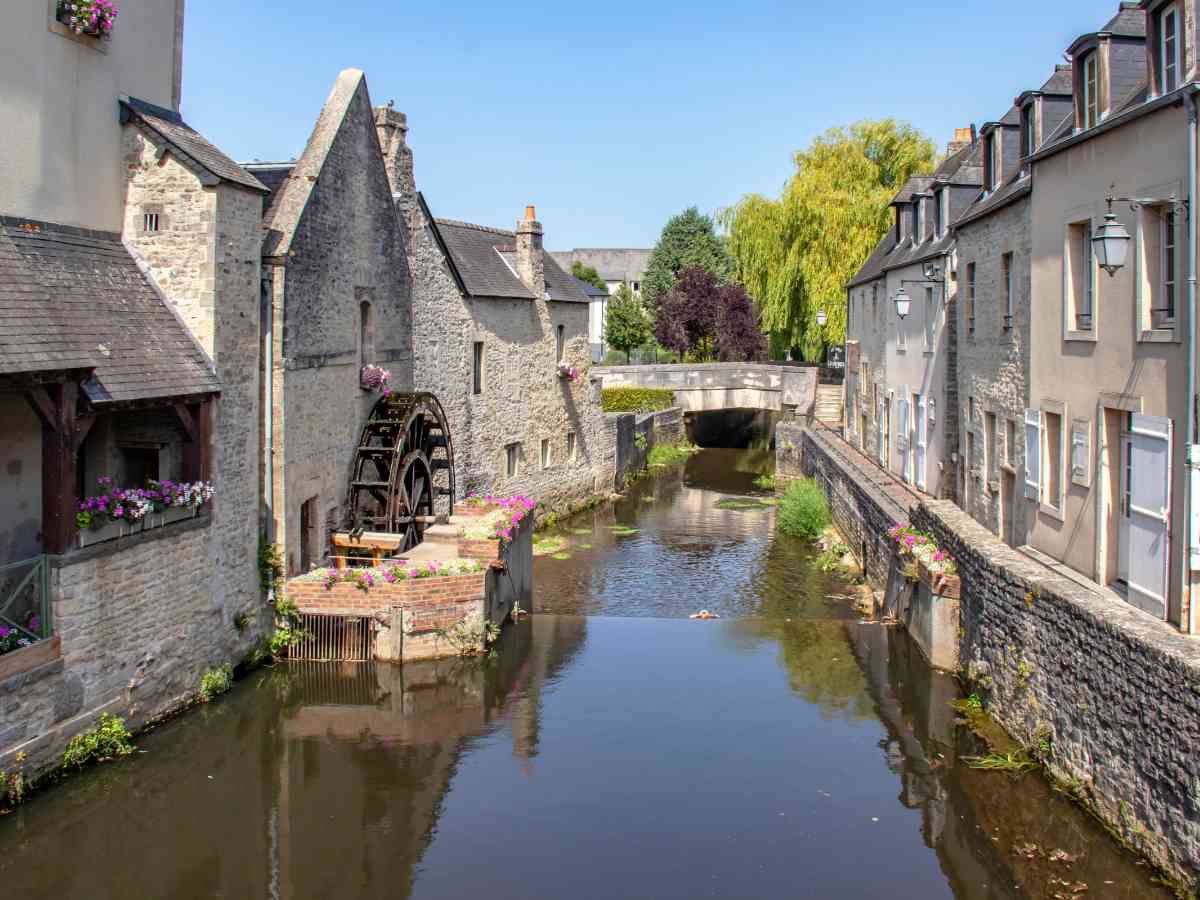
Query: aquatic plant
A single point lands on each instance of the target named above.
(215, 682)
(545, 546)
(12, 784)
(666, 455)
(106, 741)
(803, 510)
(765, 482)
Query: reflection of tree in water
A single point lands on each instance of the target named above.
(786, 582)
(819, 662)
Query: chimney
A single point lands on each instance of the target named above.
(531, 267)
(963, 138)
(392, 127)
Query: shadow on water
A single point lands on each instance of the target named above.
(788, 750)
(735, 429)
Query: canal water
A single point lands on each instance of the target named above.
(610, 747)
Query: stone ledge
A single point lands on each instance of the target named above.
(21, 668)
(119, 545)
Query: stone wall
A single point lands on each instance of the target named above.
(866, 329)
(1112, 692)
(663, 428)
(993, 363)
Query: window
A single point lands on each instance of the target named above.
(636, 287)
(366, 334)
(512, 459)
(1081, 452)
(1081, 272)
(930, 318)
(559, 343)
(970, 298)
(1168, 49)
(989, 444)
(1006, 275)
(545, 453)
(477, 368)
(1090, 108)
(152, 219)
(1052, 457)
(570, 446)
(1027, 146)
(139, 464)
(1163, 312)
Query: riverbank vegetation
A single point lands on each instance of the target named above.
(669, 454)
(803, 510)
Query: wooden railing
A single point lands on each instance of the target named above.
(25, 597)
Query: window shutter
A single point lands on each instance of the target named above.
(1033, 454)
(902, 441)
(922, 440)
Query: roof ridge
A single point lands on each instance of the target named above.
(458, 223)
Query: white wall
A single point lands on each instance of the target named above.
(60, 159)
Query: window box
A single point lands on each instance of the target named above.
(29, 658)
(90, 18)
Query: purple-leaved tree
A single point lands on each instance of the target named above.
(708, 320)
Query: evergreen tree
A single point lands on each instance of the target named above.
(688, 240)
(626, 325)
(795, 254)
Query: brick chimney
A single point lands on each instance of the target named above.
(392, 127)
(963, 138)
(531, 266)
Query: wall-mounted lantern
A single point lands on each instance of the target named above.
(903, 303)
(1110, 243)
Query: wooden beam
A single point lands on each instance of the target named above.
(40, 400)
(83, 426)
(188, 420)
(197, 445)
(58, 469)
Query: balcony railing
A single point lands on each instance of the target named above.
(25, 597)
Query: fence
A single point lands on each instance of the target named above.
(25, 597)
(335, 637)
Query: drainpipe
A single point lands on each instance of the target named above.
(267, 318)
(1191, 559)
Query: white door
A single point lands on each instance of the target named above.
(902, 435)
(1145, 539)
(922, 440)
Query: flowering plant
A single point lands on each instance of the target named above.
(512, 511)
(115, 504)
(95, 17)
(922, 548)
(14, 638)
(401, 570)
(375, 378)
(568, 372)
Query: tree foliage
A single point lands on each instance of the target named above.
(796, 253)
(626, 324)
(588, 274)
(689, 239)
(708, 320)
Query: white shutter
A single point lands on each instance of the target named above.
(922, 440)
(879, 431)
(902, 435)
(1033, 454)
(1148, 544)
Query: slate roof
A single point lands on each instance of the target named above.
(1016, 187)
(1128, 22)
(485, 259)
(590, 289)
(272, 175)
(169, 126)
(1061, 82)
(954, 169)
(74, 298)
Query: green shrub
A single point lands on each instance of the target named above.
(639, 400)
(803, 510)
(216, 682)
(107, 740)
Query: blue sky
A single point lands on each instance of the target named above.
(613, 117)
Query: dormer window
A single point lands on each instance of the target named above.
(919, 212)
(939, 214)
(1168, 49)
(989, 161)
(997, 159)
(1090, 108)
(899, 224)
(1027, 137)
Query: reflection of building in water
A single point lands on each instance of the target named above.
(368, 754)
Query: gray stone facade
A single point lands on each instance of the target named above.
(993, 368)
(337, 258)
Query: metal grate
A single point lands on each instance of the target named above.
(335, 638)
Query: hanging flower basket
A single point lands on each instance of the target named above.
(91, 17)
(375, 378)
(568, 372)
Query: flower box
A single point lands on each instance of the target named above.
(940, 583)
(36, 654)
(93, 18)
(109, 531)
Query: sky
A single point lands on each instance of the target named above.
(612, 117)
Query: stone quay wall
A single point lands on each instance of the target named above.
(663, 428)
(1113, 693)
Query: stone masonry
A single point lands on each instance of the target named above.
(993, 365)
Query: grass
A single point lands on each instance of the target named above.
(803, 510)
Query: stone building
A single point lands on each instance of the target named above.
(128, 333)
(994, 237)
(902, 407)
(495, 319)
(1109, 426)
(615, 266)
(337, 298)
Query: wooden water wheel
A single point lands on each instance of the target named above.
(403, 473)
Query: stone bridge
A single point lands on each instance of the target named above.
(790, 390)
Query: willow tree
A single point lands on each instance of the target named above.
(795, 253)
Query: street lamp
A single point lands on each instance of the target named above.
(821, 318)
(1110, 243)
(903, 303)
